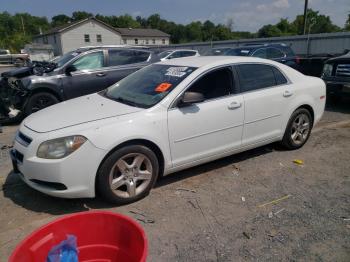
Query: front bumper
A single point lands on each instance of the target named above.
(70, 177)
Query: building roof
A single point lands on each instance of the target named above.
(147, 32)
(139, 32)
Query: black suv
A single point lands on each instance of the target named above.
(336, 74)
(80, 72)
(278, 52)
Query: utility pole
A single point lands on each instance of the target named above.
(24, 32)
(305, 16)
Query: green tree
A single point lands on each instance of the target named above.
(269, 31)
(59, 20)
(347, 24)
(80, 15)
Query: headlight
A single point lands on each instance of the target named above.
(60, 147)
(327, 70)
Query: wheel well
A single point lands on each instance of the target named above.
(308, 108)
(143, 142)
(45, 90)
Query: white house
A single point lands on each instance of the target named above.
(91, 31)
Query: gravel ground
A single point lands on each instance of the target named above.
(221, 211)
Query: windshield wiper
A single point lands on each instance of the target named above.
(125, 101)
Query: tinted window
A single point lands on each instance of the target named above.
(149, 85)
(260, 53)
(254, 76)
(187, 53)
(280, 79)
(274, 53)
(124, 57)
(3, 52)
(176, 54)
(214, 84)
(89, 61)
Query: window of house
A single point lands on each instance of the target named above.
(124, 41)
(99, 38)
(54, 39)
(214, 84)
(154, 41)
(163, 41)
(46, 41)
(147, 42)
(136, 41)
(257, 76)
(89, 61)
(87, 38)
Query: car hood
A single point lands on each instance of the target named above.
(18, 72)
(76, 111)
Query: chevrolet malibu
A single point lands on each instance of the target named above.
(161, 119)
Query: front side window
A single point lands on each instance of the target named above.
(89, 62)
(255, 76)
(87, 38)
(99, 38)
(274, 53)
(260, 53)
(149, 85)
(214, 84)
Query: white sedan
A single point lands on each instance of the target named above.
(164, 118)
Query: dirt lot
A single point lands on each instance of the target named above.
(216, 212)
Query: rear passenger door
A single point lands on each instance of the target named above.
(266, 93)
(122, 63)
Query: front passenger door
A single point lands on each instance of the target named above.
(90, 76)
(209, 128)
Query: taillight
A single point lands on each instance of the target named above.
(297, 59)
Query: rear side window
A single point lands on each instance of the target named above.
(256, 76)
(125, 57)
(280, 79)
(214, 84)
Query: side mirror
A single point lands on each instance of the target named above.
(190, 98)
(70, 69)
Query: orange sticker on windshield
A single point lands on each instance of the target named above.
(163, 87)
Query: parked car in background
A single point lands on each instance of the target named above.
(278, 52)
(177, 53)
(336, 74)
(17, 59)
(161, 119)
(218, 51)
(80, 72)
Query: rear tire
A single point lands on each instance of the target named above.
(39, 101)
(128, 174)
(298, 129)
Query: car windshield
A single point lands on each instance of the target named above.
(164, 54)
(148, 86)
(65, 58)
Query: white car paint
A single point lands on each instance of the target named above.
(176, 51)
(186, 137)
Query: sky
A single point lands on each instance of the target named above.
(247, 15)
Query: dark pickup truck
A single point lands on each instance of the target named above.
(336, 74)
(83, 71)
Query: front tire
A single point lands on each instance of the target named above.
(128, 174)
(298, 129)
(39, 101)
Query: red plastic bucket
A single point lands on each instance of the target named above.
(101, 236)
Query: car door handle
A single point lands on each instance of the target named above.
(234, 105)
(287, 93)
(100, 74)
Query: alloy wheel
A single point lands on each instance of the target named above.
(300, 129)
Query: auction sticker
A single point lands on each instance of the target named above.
(178, 71)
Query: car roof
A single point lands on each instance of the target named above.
(202, 61)
(171, 50)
